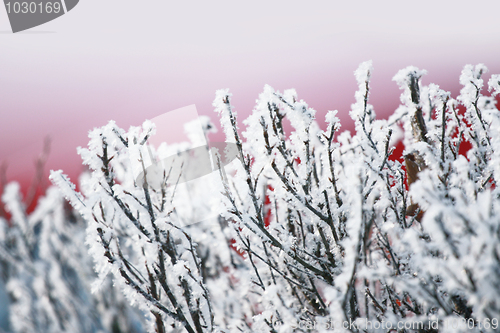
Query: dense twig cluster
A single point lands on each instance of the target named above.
(345, 239)
(135, 233)
(46, 270)
(317, 228)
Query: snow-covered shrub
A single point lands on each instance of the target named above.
(135, 232)
(320, 230)
(341, 239)
(47, 271)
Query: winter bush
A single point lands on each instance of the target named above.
(46, 271)
(318, 230)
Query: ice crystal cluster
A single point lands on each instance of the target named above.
(319, 230)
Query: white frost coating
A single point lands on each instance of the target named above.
(362, 74)
(471, 79)
(222, 106)
(332, 121)
(494, 84)
(402, 78)
(196, 131)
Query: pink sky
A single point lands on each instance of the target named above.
(133, 60)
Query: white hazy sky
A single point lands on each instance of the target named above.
(133, 60)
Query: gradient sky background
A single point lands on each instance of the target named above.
(134, 60)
